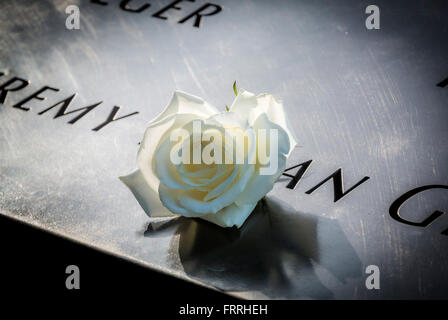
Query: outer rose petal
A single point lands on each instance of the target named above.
(153, 135)
(165, 169)
(169, 198)
(250, 106)
(232, 215)
(182, 103)
(181, 109)
(260, 185)
(145, 195)
(228, 119)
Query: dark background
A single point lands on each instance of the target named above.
(32, 282)
(33, 262)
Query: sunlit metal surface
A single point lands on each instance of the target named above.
(366, 101)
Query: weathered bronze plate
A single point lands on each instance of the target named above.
(373, 103)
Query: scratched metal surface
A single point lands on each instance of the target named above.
(365, 101)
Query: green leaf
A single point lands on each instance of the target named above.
(235, 89)
(227, 108)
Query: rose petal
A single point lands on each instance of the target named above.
(263, 122)
(152, 137)
(145, 195)
(250, 106)
(164, 168)
(260, 185)
(184, 103)
(199, 206)
(232, 215)
(228, 119)
(219, 189)
(170, 199)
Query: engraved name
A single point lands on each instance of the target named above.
(339, 192)
(191, 16)
(62, 108)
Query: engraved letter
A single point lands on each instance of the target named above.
(65, 104)
(33, 96)
(112, 118)
(443, 83)
(172, 5)
(124, 6)
(337, 185)
(198, 14)
(295, 179)
(103, 3)
(394, 209)
(5, 88)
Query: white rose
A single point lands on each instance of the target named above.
(224, 194)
